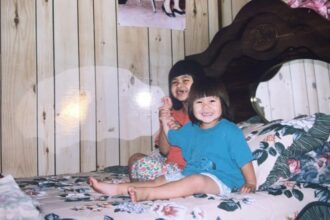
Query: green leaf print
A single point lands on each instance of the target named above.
(279, 147)
(263, 145)
(272, 151)
(298, 194)
(229, 205)
(260, 155)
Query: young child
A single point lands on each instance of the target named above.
(168, 158)
(217, 155)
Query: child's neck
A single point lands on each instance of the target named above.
(185, 107)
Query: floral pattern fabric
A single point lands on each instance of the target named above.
(275, 144)
(320, 6)
(312, 167)
(152, 166)
(69, 197)
(14, 203)
(291, 162)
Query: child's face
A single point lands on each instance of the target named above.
(180, 87)
(207, 110)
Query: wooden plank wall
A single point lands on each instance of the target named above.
(66, 71)
(68, 74)
(306, 86)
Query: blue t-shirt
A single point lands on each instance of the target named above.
(221, 150)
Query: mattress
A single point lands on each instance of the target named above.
(70, 197)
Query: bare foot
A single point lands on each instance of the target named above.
(138, 194)
(132, 194)
(104, 188)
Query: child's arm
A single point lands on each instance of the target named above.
(250, 178)
(164, 118)
(163, 144)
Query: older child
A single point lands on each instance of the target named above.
(168, 158)
(217, 155)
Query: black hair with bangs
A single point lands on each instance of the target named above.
(208, 87)
(184, 67)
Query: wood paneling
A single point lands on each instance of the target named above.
(197, 28)
(213, 7)
(160, 63)
(67, 97)
(299, 90)
(178, 48)
(236, 6)
(304, 89)
(18, 88)
(322, 85)
(106, 83)
(45, 62)
(226, 12)
(87, 101)
(135, 122)
(311, 86)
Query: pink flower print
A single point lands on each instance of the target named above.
(270, 138)
(322, 162)
(164, 169)
(327, 157)
(294, 166)
(320, 6)
(169, 210)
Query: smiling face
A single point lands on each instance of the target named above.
(180, 87)
(207, 110)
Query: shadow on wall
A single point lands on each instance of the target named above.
(138, 104)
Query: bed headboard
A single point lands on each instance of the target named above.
(264, 34)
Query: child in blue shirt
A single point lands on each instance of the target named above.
(218, 159)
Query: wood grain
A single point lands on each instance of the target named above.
(46, 111)
(135, 121)
(18, 88)
(67, 96)
(87, 86)
(107, 99)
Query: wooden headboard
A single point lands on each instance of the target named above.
(264, 34)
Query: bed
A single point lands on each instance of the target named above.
(291, 156)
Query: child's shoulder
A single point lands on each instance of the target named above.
(229, 125)
(227, 122)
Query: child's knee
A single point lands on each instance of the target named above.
(135, 157)
(159, 180)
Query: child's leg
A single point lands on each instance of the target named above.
(184, 187)
(122, 188)
(144, 168)
(134, 158)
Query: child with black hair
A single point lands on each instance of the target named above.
(166, 158)
(218, 158)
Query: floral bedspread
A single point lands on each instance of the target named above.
(320, 6)
(14, 203)
(70, 197)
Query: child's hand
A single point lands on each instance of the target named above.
(247, 188)
(167, 103)
(250, 178)
(173, 124)
(164, 113)
(165, 110)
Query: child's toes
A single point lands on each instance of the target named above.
(132, 193)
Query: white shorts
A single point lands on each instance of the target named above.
(223, 188)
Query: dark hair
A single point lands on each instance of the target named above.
(184, 67)
(208, 87)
